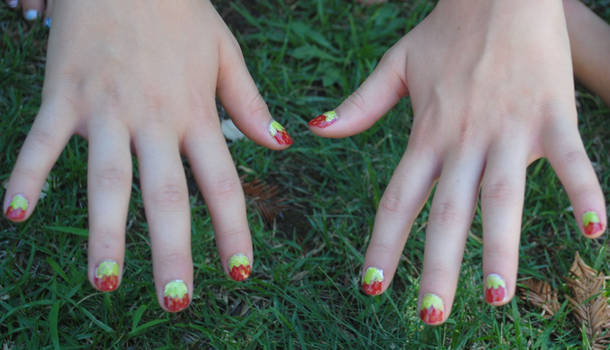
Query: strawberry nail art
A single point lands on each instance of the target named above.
(431, 310)
(495, 289)
(107, 276)
(324, 120)
(591, 223)
(239, 267)
(280, 135)
(371, 281)
(17, 208)
(176, 296)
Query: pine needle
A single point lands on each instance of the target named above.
(541, 294)
(588, 303)
(266, 199)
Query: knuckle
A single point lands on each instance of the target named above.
(110, 177)
(170, 197)
(499, 191)
(392, 202)
(42, 139)
(445, 213)
(224, 187)
(357, 100)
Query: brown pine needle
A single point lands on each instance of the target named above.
(589, 304)
(542, 295)
(266, 199)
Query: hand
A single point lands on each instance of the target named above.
(144, 74)
(492, 90)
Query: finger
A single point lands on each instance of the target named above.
(48, 13)
(239, 95)
(450, 216)
(32, 9)
(566, 153)
(167, 209)
(401, 202)
(216, 175)
(48, 136)
(377, 95)
(502, 192)
(109, 185)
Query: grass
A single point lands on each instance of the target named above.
(304, 292)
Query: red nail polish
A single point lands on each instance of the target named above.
(176, 296)
(280, 134)
(431, 310)
(107, 276)
(372, 281)
(239, 267)
(324, 120)
(495, 289)
(591, 223)
(17, 208)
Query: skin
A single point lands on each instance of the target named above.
(492, 91)
(141, 76)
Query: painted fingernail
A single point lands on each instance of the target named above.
(176, 296)
(431, 310)
(107, 276)
(47, 22)
(324, 120)
(17, 208)
(280, 135)
(591, 223)
(30, 15)
(13, 3)
(495, 289)
(372, 280)
(239, 267)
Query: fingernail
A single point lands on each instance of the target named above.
(431, 310)
(280, 135)
(372, 280)
(13, 3)
(176, 296)
(17, 208)
(591, 223)
(239, 267)
(107, 276)
(47, 22)
(495, 289)
(30, 15)
(324, 120)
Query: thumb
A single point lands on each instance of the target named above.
(377, 95)
(240, 97)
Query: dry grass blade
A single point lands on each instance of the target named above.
(542, 295)
(266, 199)
(589, 304)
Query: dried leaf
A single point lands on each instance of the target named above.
(589, 304)
(266, 199)
(542, 295)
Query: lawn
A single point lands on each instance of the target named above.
(306, 56)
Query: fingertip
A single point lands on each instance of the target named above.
(16, 210)
(496, 291)
(432, 309)
(372, 281)
(239, 267)
(591, 224)
(175, 296)
(106, 276)
(279, 134)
